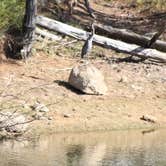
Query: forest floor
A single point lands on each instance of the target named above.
(135, 89)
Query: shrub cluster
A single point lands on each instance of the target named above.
(11, 13)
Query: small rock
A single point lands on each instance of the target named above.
(137, 88)
(50, 118)
(66, 115)
(43, 118)
(123, 79)
(149, 118)
(40, 107)
(74, 110)
(26, 106)
(118, 70)
(38, 116)
(88, 79)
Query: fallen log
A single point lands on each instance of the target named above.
(130, 37)
(47, 34)
(104, 41)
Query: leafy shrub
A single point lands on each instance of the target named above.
(157, 5)
(11, 13)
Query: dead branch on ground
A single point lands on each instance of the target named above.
(132, 37)
(101, 40)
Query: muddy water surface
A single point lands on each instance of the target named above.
(118, 148)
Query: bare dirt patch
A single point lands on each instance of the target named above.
(134, 90)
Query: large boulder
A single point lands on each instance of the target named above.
(88, 79)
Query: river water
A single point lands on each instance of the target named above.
(117, 148)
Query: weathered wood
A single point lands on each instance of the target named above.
(104, 41)
(130, 37)
(29, 24)
(154, 38)
(89, 9)
(47, 34)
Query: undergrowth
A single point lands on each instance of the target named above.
(11, 13)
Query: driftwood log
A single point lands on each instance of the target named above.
(47, 34)
(130, 37)
(104, 41)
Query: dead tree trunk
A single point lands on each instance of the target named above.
(29, 24)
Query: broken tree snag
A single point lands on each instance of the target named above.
(90, 11)
(29, 24)
(101, 40)
(129, 36)
(157, 35)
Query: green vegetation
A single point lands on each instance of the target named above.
(11, 13)
(155, 4)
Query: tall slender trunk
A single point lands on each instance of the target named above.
(29, 25)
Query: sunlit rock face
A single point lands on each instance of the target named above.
(88, 79)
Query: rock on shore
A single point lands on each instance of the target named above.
(88, 79)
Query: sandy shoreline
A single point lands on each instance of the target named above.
(134, 90)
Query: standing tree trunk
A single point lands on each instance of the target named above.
(29, 25)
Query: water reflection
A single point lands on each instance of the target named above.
(125, 148)
(74, 154)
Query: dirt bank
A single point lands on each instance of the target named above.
(134, 90)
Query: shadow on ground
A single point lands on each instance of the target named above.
(68, 87)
